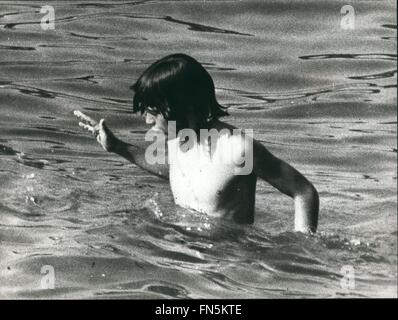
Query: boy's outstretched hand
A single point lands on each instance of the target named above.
(104, 136)
(110, 143)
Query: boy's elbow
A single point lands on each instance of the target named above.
(311, 191)
(310, 194)
(305, 190)
(310, 199)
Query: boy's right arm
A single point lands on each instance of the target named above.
(108, 141)
(136, 155)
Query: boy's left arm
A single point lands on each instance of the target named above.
(291, 182)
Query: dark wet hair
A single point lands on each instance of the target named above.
(180, 88)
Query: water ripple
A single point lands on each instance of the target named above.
(360, 56)
(382, 75)
(192, 26)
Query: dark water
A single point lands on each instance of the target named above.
(320, 97)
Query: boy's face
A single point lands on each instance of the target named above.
(157, 120)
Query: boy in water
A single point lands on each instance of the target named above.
(178, 90)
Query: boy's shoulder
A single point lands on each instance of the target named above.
(234, 134)
(242, 141)
(239, 141)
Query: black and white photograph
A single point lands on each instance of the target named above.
(203, 149)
